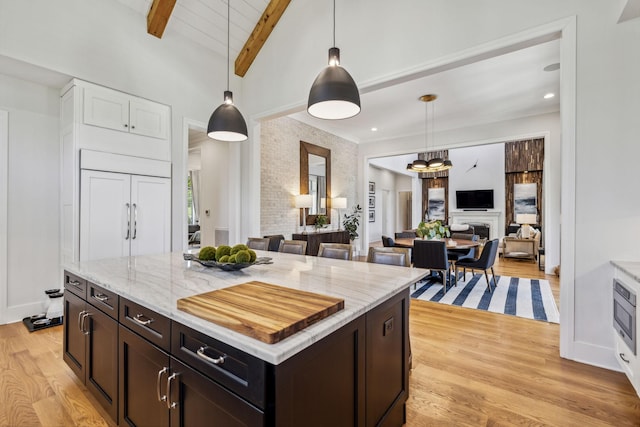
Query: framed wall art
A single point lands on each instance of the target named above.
(525, 199)
(372, 215)
(435, 204)
(372, 187)
(372, 202)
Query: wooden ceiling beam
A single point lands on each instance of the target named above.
(158, 16)
(259, 35)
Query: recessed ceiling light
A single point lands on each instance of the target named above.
(374, 129)
(549, 95)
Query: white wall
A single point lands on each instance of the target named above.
(103, 42)
(33, 248)
(386, 204)
(608, 63)
(487, 175)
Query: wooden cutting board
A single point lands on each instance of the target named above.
(269, 313)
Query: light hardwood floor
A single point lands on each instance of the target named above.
(470, 368)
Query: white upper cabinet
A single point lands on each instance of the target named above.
(115, 110)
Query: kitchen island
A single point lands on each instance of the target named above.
(350, 368)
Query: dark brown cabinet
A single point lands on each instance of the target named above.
(91, 346)
(149, 370)
(315, 238)
(158, 390)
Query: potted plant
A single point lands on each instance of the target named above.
(321, 221)
(352, 221)
(432, 230)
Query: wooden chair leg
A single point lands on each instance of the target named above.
(488, 282)
(493, 276)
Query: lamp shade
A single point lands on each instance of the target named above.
(339, 203)
(226, 123)
(334, 94)
(526, 219)
(304, 201)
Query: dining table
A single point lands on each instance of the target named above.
(407, 242)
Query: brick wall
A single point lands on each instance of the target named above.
(280, 172)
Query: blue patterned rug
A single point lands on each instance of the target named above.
(528, 298)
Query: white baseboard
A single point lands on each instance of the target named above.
(602, 357)
(16, 313)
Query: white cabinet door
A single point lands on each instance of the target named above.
(148, 118)
(106, 108)
(105, 211)
(151, 215)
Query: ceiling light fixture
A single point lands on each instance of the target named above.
(436, 164)
(334, 94)
(549, 95)
(374, 129)
(226, 122)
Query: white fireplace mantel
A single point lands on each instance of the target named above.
(490, 217)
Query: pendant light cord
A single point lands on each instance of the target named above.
(229, 38)
(334, 23)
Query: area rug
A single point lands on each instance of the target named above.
(528, 298)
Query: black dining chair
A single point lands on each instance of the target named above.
(432, 254)
(387, 242)
(455, 255)
(485, 262)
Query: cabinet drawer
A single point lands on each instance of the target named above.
(147, 323)
(75, 284)
(102, 299)
(240, 372)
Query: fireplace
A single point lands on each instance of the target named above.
(488, 222)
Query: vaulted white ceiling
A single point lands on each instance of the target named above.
(205, 21)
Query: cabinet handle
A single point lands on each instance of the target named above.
(128, 221)
(101, 297)
(170, 404)
(84, 317)
(126, 125)
(75, 283)
(161, 397)
(202, 355)
(133, 127)
(622, 357)
(139, 318)
(135, 221)
(82, 313)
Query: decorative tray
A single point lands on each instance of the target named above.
(227, 266)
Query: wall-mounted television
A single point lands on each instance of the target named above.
(474, 199)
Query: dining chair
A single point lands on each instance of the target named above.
(258, 243)
(485, 262)
(298, 247)
(336, 250)
(274, 241)
(432, 254)
(387, 241)
(409, 234)
(455, 255)
(390, 256)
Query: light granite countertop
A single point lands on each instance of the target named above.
(631, 268)
(158, 281)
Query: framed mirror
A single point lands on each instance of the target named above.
(315, 179)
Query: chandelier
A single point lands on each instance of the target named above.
(436, 164)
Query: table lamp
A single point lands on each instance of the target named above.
(304, 201)
(525, 220)
(339, 203)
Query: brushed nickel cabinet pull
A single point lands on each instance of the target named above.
(84, 317)
(128, 221)
(75, 283)
(135, 221)
(170, 404)
(202, 355)
(101, 297)
(80, 320)
(622, 357)
(144, 322)
(161, 397)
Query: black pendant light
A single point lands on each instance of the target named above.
(436, 164)
(334, 94)
(226, 122)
